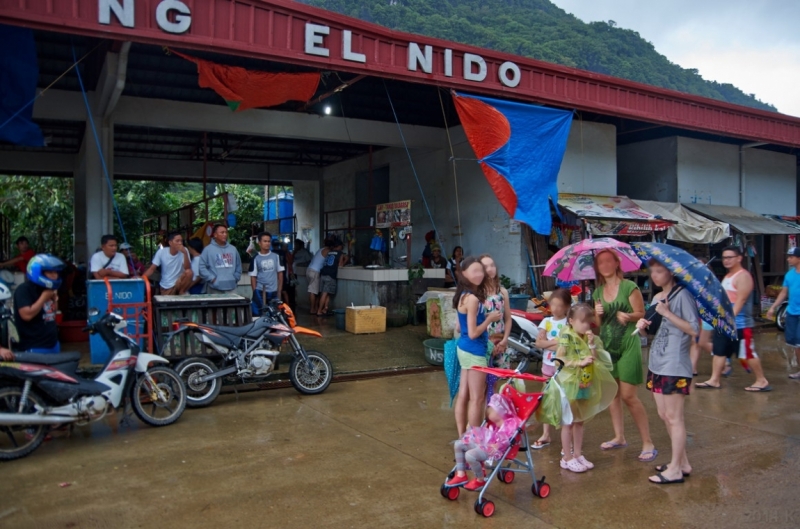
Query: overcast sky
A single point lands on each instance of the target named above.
(752, 44)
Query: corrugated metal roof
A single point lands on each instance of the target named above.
(743, 220)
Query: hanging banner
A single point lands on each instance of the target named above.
(393, 214)
(519, 148)
(615, 227)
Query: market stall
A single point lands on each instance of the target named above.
(764, 240)
(587, 216)
(692, 232)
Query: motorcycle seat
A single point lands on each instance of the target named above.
(47, 359)
(535, 317)
(244, 330)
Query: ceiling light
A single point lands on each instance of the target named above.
(327, 110)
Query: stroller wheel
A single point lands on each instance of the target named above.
(451, 493)
(507, 477)
(544, 489)
(485, 508)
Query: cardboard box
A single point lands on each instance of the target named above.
(365, 320)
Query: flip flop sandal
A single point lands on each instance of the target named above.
(662, 468)
(664, 481)
(704, 385)
(652, 457)
(795, 376)
(538, 445)
(612, 446)
(755, 389)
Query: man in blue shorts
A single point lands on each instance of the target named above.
(791, 288)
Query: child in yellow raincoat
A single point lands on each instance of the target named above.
(586, 381)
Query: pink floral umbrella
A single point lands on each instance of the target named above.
(576, 261)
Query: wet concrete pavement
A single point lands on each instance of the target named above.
(372, 453)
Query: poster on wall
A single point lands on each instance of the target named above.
(393, 214)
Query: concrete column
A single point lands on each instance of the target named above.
(94, 212)
(307, 208)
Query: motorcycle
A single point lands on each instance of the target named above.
(250, 353)
(780, 315)
(522, 340)
(40, 391)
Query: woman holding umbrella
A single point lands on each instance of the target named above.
(689, 287)
(618, 306)
(669, 374)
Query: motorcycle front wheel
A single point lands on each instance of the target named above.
(199, 394)
(780, 317)
(313, 376)
(19, 440)
(158, 396)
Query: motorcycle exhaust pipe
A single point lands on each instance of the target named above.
(528, 350)
(519, 346)
(24, 419)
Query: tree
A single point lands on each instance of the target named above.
(40, 208)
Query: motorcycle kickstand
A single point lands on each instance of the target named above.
(126, 420)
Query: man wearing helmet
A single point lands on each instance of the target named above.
(35, 306)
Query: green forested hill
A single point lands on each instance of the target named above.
(541, 30)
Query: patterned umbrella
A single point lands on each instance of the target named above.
(452, 368)
(576, 261)
(712, 302)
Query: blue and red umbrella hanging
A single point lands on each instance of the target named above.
(520, 148)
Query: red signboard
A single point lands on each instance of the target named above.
(292, 32)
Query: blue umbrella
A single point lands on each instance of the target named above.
(712, 302)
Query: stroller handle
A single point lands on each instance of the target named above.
(510, 373)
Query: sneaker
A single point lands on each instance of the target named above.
(475, 484)
(585, 462)
(457, 481)
(573, 465)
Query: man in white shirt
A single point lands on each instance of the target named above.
(108, 263)
(176, 268)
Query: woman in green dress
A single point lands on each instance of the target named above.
(618, 306)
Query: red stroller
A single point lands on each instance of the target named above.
(525, 404)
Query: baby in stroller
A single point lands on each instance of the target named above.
(485, 443)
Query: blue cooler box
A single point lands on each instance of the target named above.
(125, 291)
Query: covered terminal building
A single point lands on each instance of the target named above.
(381, 126)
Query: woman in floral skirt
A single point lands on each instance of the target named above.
(669, 374)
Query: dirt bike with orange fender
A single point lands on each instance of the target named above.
(250, 354)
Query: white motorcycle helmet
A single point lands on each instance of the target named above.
(5, 292)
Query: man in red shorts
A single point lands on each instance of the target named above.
(738, 285)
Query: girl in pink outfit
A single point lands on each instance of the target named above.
(485, 443)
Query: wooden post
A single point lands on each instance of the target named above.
(205, 172)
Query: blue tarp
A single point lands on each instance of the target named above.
(19, 74)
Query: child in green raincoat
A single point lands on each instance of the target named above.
(586, 381)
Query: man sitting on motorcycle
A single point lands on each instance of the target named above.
(35, 306)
